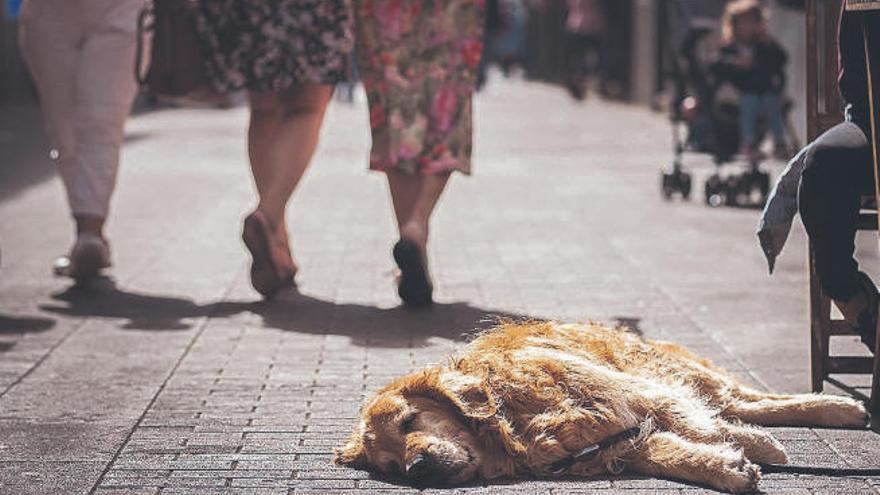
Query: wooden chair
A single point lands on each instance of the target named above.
(823, 112)
(823, 327)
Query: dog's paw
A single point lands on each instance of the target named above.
(757, 445)
(739, 476)
(843, 412)
(770, 451)
(777, 455)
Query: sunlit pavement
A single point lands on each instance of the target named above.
(179, 380)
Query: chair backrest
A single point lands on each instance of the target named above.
(824, 105)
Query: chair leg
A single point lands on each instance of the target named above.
(820, 311)
(874, 405)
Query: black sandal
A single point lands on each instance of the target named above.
(414, 286)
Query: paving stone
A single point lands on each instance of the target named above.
(48, 478)
(22, 440)
(128, 491)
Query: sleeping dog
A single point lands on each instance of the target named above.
(549, 399)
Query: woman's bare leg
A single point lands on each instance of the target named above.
(404, 194)
(282, 137)
(90, 224)
(415, 198)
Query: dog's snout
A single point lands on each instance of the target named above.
(418, 467)
(423, 468)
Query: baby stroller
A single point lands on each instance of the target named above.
(705, 114)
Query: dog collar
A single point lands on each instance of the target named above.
(591, 450)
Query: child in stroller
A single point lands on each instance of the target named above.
(753, 62)
(721, 101)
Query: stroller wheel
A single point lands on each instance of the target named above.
(675, 181)
(686, 185)
(763, 179)
(715, 191)
(666, 186)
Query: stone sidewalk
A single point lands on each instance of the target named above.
(174, 379)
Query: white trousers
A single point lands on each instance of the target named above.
(81, 55)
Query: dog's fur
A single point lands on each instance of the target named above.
(525, 396)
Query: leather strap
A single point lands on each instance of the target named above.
(592, 450)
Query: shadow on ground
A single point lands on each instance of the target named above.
(291, 312)
(372, 326)
(103, 299)
(17, 325)
(12, 325)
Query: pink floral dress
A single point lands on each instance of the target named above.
(418, 61)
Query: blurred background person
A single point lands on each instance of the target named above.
(504, 38)
(81, 56)
(491, 27)
(345, 90)
(288, 55)
(585, 27)
(418, 62)
(508, 43)
(753, 62)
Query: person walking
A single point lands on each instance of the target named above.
(81, 56)
(418, 62)
(585, 27)
(288, 55)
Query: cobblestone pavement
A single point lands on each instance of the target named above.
(174, 379)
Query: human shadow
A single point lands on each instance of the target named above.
(397, 327)
(101, 298)
(13, 325)
(292, 312)
(16, 325)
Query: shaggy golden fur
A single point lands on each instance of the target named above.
(524, 396)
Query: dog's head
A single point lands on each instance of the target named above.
(423, 427)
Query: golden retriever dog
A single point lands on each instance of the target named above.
(533, 399)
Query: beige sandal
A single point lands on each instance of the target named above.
(89, 255)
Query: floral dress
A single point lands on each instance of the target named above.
(418, 61)
(270, 45)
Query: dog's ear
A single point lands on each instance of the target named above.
(467, 393)
(353, 453)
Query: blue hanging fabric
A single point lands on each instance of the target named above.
(12, 8)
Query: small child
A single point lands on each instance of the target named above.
(753, 62)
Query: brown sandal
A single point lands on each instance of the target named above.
(272, 269)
